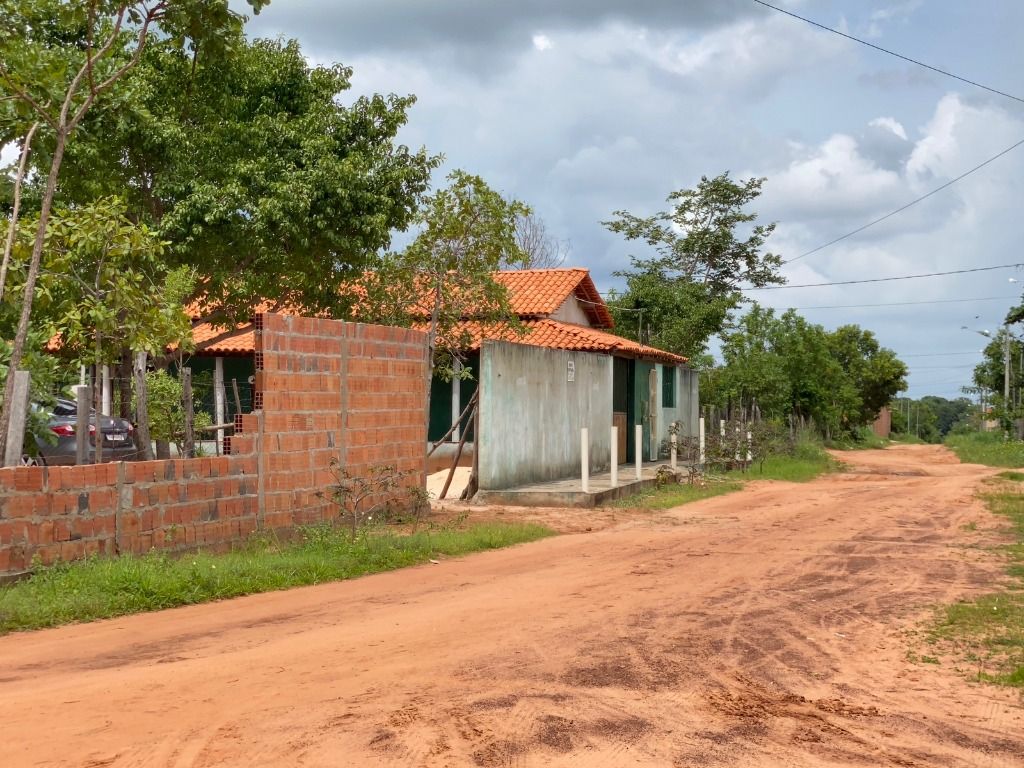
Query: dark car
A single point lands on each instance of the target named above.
(118, 436)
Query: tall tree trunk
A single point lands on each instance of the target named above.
(431, 345)
(21, 335)
(9, 244)
(124, 385)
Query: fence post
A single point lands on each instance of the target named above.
(672, 449)
(82, 399)
(750, 454)
(189, 406)
(142, 406)
(615, 458)
(639, 442)
(585, 459)
(19, 415)
(108, 392)
(219, 397)
(702, 457)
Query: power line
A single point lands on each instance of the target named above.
(906, 303)
(912, 203)
(947, 73)
(884, 279)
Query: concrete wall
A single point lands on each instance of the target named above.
(531, 415)
(324, 389)
(882, 425)
(686, 410)
(571, 312)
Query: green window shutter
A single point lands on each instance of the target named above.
(668, 386)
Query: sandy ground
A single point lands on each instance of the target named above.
(766, 628)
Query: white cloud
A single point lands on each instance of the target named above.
(542, 42)
(890, 124)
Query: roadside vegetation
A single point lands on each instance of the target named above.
(800, 463)
(986, 634)
(989, 448)
(99, 588)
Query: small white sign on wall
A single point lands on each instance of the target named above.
(572, 370)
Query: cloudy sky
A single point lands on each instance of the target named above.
(582, 107)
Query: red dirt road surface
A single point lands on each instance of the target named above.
(766, 628)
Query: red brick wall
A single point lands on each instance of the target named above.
(883, 423)
(325, 389)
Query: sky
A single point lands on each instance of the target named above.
(583, 107)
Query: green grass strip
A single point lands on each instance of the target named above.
(99, 588)
(991, 627)
(808, 461)
(987, 448)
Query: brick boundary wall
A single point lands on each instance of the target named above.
(324, 389)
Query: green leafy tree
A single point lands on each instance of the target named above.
(255, 171)
(787, 366)
(682, 296)
(57, 59)
(167, 409)
(990, 372)
(446, 275)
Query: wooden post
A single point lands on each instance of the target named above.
(238, 399)
(189, 408)
(19, 415)
(142, 438)
(219, 396)
(82, 399)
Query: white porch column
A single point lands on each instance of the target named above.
(639, 443)
(219, 397)
(456, 397)
(585, 459)
(702, 441)
(615, 457)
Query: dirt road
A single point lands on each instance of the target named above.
(766, 628)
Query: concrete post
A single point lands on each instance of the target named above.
(750, 454)
(457, 398)
(585, 458)
(639, 442)
(615, 457)
(108, 393)
(219, 400)
(19, 415)
(672, 449)
(82, 399)
(702, 441)
(721, 427)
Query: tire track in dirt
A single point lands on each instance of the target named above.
(763, 628)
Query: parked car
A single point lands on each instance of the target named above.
(118, 436)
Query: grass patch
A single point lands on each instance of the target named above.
(670, 496)
(989, 631)
(864, 439)
(808, 461)
(99, 588)
(987, 448)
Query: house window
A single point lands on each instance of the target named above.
(668, 386)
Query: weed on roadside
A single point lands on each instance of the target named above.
(98, 587)
(986, 634)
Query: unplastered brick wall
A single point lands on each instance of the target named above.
(324, 390)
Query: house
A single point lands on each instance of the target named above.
(567, 371)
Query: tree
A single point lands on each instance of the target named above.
(57, 58)
(537, 248)
(255, 172)
(787, 366)
(682, 296)
(446, 275)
